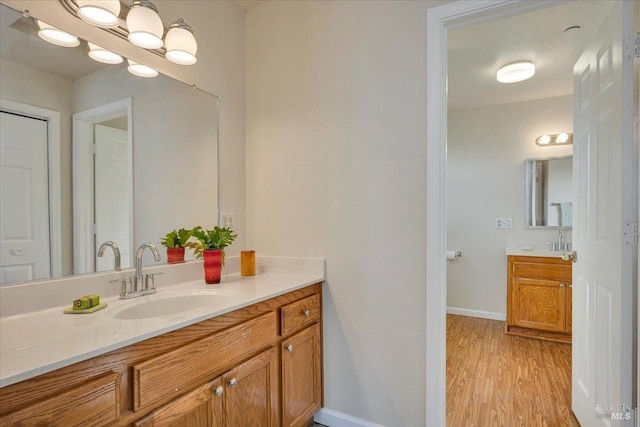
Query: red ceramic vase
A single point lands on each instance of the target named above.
(175, 255)
(212, 265)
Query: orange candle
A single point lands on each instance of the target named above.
(248, 263)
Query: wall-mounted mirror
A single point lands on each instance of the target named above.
(549, 192)
(90, 153)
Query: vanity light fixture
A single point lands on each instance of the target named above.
(516, 72)
(559, 139)
(103, 55)
(56, 36)
(101, 13)
(140, 70)
(181, 44)
(144, 25)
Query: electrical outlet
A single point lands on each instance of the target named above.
(227, 220)
(504, 223)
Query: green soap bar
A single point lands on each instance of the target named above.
(82, 303)
(86, 302)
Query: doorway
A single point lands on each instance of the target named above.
(31, 197)
(440, 21)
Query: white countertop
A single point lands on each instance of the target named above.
(37, 342)
(534, 252)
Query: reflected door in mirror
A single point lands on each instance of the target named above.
(24, 189)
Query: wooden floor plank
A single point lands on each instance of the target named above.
(495, 379)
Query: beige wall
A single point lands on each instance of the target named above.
(336, 167)
(219, 29)
(486, 152)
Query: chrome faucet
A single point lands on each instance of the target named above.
(139, 282)
(560, 242)
(116, 253)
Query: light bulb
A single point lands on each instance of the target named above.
(56, 36)
(181, 44)
(103, 55)
(544, 140)
(516, 72)
(562, 138)
(101, 13)
(144, 25)
(140, 70)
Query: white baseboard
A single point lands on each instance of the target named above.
(477, 313)
(333, 418)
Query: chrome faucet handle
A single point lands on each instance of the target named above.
(150, 279)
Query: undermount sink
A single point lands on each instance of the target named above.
(168, 306)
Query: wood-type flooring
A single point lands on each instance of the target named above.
(499, 380)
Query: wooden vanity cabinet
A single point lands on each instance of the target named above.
(235, 369)
(301, 361)
(539, 297)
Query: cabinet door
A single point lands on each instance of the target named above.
(251, 392)
(569, 307)
(301, 377)
(540, 304)
(200, 407)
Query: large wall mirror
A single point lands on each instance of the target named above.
(90, 152)
(549, 192)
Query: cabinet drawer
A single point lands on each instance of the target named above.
(171, 374)
(299, 314)
(543, 270)
(94, 403)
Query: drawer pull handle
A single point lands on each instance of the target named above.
(562, 285)
(219, 390)
(233, 382)
(306, 313)
(290, 348)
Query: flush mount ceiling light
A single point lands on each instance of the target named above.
(141, 70)
(103, 55)
(144, 24)
(550, 140)
(56, 36)
(101, 13)
(516, 72)
(181, 44)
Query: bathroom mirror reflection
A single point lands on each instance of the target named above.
(549, 192)
(59, 200)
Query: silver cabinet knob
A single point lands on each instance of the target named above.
(233, 382)
(306, 313)
(562, 285)
(17, 252)
(290, 348)
(570, 256)
(219, 390)
(570, 285)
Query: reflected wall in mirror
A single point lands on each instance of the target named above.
(59, 199)
(549, 192)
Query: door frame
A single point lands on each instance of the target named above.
(440, 20)
(83, 179)
(53, 162)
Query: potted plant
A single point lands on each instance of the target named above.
(175, 241)
(210, 245)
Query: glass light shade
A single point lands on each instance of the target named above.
(516, 72)
(144, 25)
(140, 70)
(562, 138)
(103, 55)
(56, 36)
(181, 44)
(101, 13)
(544, 140)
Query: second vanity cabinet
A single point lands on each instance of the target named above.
(539, 297)
(260, 365)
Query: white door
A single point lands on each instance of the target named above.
(24, 199)
(112, 194)
(603, 162)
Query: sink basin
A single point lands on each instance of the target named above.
(168, 306)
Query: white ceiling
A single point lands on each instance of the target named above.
(476, 53)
